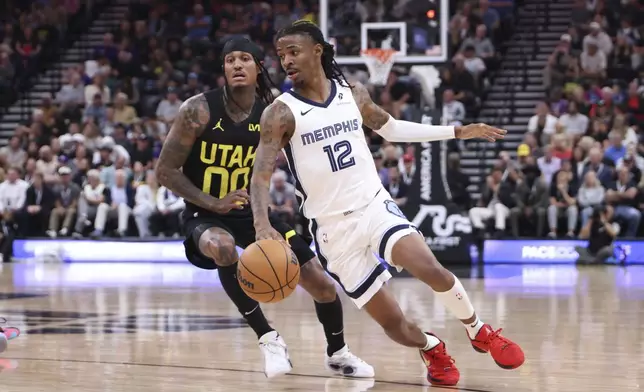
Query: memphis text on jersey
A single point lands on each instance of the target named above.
(330, 131)
(232, 163)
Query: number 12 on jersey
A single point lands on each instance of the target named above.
(339, 155)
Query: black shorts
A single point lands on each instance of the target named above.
(241, 229)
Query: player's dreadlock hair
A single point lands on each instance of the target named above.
(329, 65)
(264, 82)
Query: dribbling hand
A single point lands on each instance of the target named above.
(269, 233)
(479, 130)
(235, 200)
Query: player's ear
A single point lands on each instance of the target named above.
(318, 50)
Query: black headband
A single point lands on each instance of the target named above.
(240, 44)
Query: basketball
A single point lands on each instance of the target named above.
(268, 271)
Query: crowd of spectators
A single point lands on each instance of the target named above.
(584, 146)
(30, 33)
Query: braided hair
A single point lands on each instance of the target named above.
(331, 68)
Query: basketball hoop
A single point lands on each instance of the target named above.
(379, 62)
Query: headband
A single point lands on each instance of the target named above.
(241, 44)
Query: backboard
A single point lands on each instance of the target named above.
(422, 41)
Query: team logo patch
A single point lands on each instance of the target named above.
(393, 208)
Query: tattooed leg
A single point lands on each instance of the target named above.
(219, 245)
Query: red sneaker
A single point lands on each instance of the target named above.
(506, 353)
(440, 366)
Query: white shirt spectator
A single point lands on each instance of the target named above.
(548, 169)
(93, 194)
(594, 64)
(168, 111)
(168, 201)
(575, 124)
(474, 65)
(604, 43)
(144, 196)
(453, 111)
(549, 128)
(70, 94)
(13, 195)
(91, 90)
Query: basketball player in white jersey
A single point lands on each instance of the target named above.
(318, 124)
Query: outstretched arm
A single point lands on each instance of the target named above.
(276, 128)
(394, 130)
(188, 126)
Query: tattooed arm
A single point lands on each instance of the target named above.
(277, 125)
(394, 130)
(187, 127)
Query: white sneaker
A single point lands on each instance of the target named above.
(276, 359)
(344, 363)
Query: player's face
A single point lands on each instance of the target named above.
(299, 55)
(240, 69)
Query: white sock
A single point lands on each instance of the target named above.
(474, 328)
(432, 341)
(457, 301)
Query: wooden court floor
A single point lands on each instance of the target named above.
(166, 328)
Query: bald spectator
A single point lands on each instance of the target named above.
(593, 61)
(595, 163)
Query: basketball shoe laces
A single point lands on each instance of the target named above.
(495, 339)
(274, 347)
(440, 358)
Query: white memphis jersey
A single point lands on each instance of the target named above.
(328, 154)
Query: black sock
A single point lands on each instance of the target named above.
(330, 315)
(248, 307)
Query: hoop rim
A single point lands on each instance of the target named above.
(382, 55)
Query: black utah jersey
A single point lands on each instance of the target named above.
(222, 158)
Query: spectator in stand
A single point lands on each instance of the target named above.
(142, 152)
(97, 87)
(631, 160)
(39, 201)
(28, 46)
(65, 204)
(165, 220)
(96, 111)
(396, 187)
(490, 16)
(530, 198)
(622, 195)
(595, 163)
(599, 38)
(118, 206)
(408, 168)
(47, 164)
(453, 110)
(561, 147)
(458, 181)
(542, 124)
(548, 165)
(145, 201)
(169, 108)
(616, 150)
(94, 193)
(483, 46)
(563, 203)
(107, 49)
(590, 196)
(493, 204)
(283, 201)
(13, 193)
(593, 62)
(71, 96)
(556, 70)
(575, 124)
(7, 70)
(474, 64)
(123, 113)
(198, 25)
(13, 154)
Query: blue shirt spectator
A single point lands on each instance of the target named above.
(199, 24)
(616, 150)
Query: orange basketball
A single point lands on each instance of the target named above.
(268, 271)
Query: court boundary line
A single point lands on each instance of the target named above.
(232, 370)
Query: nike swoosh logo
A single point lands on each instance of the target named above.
(335, 333)
(304, 113)
(254, 309)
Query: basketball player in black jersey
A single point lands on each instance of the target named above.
(207, 159)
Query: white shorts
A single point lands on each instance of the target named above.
(347, 245)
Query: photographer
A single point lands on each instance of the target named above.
(600, 233)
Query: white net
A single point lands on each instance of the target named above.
(379, 62)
